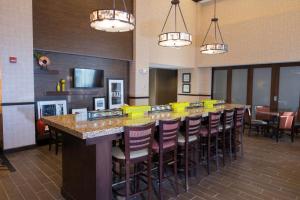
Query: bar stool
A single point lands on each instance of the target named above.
(208, 133)
(239, 114)
(138, 143)
(189, 143)
(226, 128)
(55, 137)
(167, 143)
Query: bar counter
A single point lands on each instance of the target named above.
(86, 153)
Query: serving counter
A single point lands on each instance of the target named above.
(86, 153)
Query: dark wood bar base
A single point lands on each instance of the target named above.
(86, 168)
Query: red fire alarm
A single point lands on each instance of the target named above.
(13, 59)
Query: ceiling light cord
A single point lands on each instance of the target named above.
(162, 30)
(180, 11)
(215, 9)
(220, 33)
(114, 7)
(175, 17)
(183, 19)
(125, 7)
(207, 33)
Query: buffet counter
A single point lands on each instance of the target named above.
(86, 154)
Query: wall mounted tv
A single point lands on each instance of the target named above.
(88, 78)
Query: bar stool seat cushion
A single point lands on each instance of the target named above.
(119, 154)
(168, 144)
(181, 138)
(258, 122)
(226, 127)
(204, 132)
(240, 124)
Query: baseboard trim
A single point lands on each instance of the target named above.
(17, 103)
(196, 95)
(138, 97)
(18, 149)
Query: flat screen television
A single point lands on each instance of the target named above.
(88, 78)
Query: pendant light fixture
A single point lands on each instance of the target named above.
(216, 47)
(175, 38)
(112, 20)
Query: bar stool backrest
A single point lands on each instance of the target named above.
(239, 114)
(168, 132)
(228, 118)
(213, 122)
(138, 138)
(286, 120)
(193, 125)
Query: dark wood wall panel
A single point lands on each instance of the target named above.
(275, 88)
(229, 85)
(64, 63)
(166, 90)
(63, 26)
(250, 86)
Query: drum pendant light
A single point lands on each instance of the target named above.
(174, 38)
(215, 47)
(112, 20)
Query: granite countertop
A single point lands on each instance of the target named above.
(102, 127)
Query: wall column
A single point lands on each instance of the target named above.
(139, 68)
(16, 39)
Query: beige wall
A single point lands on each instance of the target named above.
(200, 84)
(256, 31)
(16, 39)
(182, 57)
(150, 16)
(139, 67)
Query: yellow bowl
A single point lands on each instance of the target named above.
(135, 111)
(180, 106)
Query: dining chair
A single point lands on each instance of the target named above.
(166, 143)
(209, 134)
(136, 155)
(188, 143)
(258, 125)
(286, 124)
(297, 122)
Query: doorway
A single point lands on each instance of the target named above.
(162, 86)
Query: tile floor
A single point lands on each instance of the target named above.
(267, 171)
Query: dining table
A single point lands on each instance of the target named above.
(87, 148)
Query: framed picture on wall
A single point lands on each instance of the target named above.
(186, 88)
(115, 93)
(99, 103)
(186, 77)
